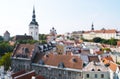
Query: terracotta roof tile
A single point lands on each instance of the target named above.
(109, 58)
(111, 65)
(18, 73)
(102, 31)
(20, 48)
(27, 75)
(39, 77)
(93, 58)
(68, 60)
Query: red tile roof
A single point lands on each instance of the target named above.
(69, 61)
(19, 49)
(111, 65)
(109, 58)
(18, 73)
(27, 75)
(39, 77)
(102, 31)
(93, 58)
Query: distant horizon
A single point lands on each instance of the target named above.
(64, 15)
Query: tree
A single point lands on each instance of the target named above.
(6, 61)
(5, 47)
(112, 41)
(1, 38)
(97, 39)
(42, 36)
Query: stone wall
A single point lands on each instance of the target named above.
(18, 64)
(50, 72)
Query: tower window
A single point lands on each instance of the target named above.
(31, 33)
(36, 33)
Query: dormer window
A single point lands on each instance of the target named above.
(61, 65)
(93, 70)
(74, 60)
(41, 62)
(99, 70)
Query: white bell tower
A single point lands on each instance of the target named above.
(34, 27)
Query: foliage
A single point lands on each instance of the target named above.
(6, 61)
(97, 39)
(42, 37)
(1, 38)
(5, 47)
(26, 41)
(106, 49)
(72, 39)
(118, 63)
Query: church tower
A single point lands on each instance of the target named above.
(34, 27)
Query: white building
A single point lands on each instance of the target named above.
(103, 33)
(95, 70)
(6, 36)
(34, 27)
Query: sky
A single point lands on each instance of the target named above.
(63, 15)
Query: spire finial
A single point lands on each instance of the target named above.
(34, 17)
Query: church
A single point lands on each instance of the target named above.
(34, 27)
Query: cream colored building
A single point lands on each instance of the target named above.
(105, 34)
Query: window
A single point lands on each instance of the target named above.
(98, 69)
(93, 70)
(31, 33)
(95, 75)
(36, 33)
(102, 75)
(87, 75)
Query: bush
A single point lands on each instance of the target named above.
(6, 61)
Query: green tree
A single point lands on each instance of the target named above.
(112, 41)
(1, 38)
(97, 39)
(42, 37)
(5, 47)
(6, 61)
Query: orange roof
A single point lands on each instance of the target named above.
(68, 61)
(111, 65)
(102, 31)
(109, 58)
(99, 52)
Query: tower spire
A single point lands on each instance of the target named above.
(33, 16)
(33, 22)
(92, 27)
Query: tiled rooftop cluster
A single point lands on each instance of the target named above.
(46, 61)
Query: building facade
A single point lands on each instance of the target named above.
(6, 36)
